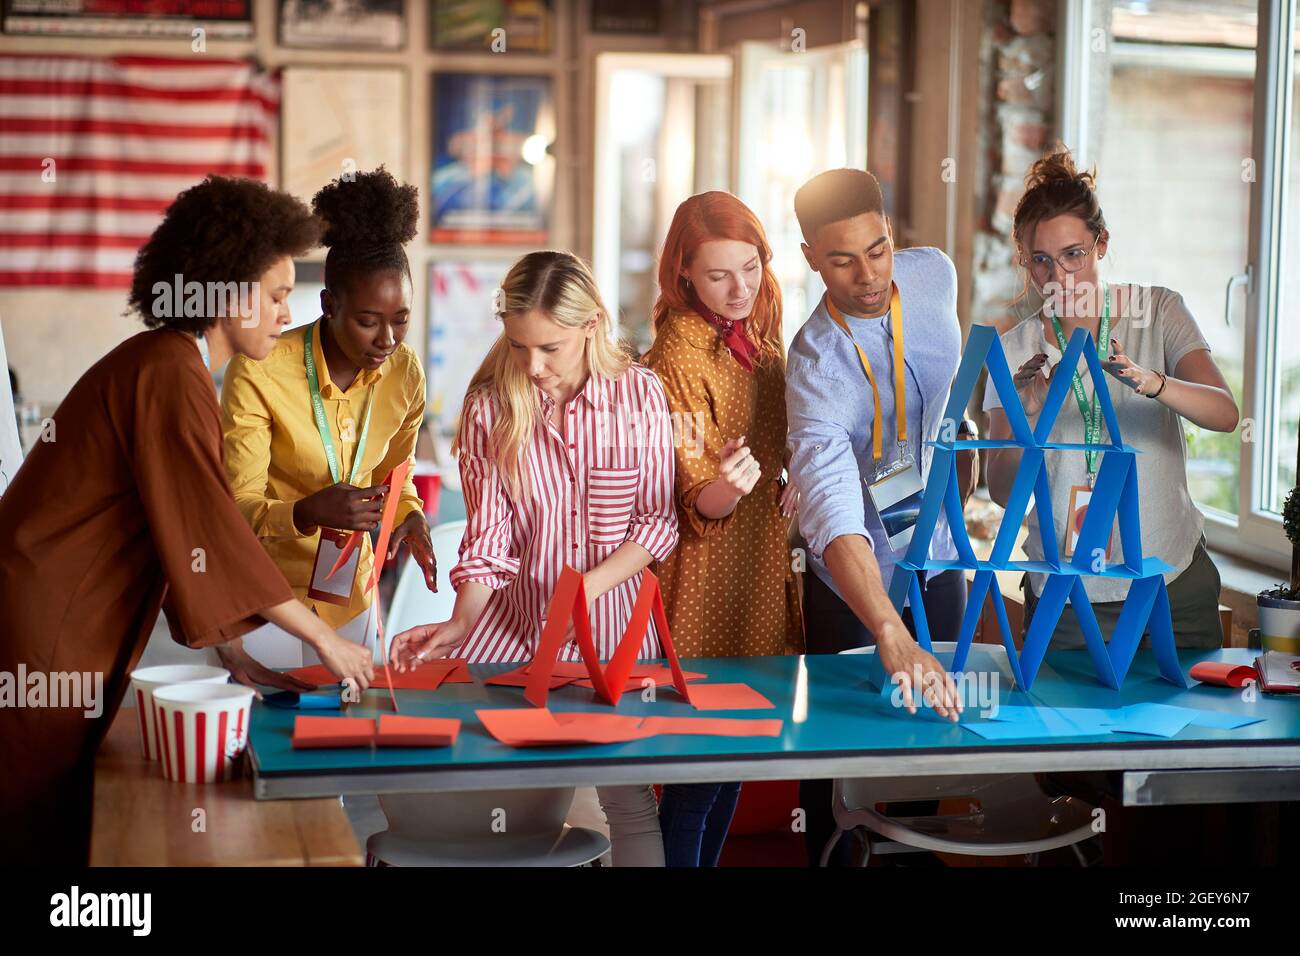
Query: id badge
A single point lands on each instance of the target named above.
(896, 494)
(336, 588)
(1080, 495)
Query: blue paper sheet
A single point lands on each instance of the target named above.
(1159, 720)
(1154, 720)
(1217, 720)
(1070, 721)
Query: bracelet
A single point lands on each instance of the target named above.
(1164, 380)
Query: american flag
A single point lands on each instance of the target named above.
(93, 149)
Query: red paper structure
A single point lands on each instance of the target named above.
(728, 697)
(1224, 674)
(636, 681)
(569, 603)
(396, 478)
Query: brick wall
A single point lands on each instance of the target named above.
(1018, 66)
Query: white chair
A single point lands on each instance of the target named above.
(1007, 815)
(457, 829)
(413, 603)
(483, 828)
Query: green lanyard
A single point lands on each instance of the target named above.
(318, 410)
(1091, 414)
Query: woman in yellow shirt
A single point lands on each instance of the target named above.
(313, 430)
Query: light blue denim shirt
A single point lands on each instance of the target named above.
(829, 403)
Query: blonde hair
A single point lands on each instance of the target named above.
(562, 286)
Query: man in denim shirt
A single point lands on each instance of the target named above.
(831, 410)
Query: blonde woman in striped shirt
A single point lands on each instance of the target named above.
(566, 458)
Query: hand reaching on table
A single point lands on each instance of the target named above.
(906, 663)
(425, 642)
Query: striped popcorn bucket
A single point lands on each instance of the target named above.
(203, 730)
(145, 680)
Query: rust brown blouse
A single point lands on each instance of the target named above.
(125, 510)
(729, 588)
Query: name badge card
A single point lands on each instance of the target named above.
(333, 588)
(896, 494)
(1080, 495)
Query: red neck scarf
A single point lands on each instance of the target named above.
(733, 333)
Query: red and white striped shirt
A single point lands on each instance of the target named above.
(604, 478)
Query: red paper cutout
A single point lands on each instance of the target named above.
(529, 727)
(458, 674)
(574, 670)
(517, 678)
(317, 675)
(1224, 674)
(312, 732)
(353, 542)
(395, 480)
(419, 679)
(428, 677)
(569, 603)
(399, 731)
(728, 697)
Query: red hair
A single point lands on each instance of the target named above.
(718, 215)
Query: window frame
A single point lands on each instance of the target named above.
(1255, 533)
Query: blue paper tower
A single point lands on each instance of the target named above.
(1115, 492)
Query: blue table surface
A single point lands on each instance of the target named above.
(844, 714)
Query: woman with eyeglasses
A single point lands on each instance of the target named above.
(1159, 373)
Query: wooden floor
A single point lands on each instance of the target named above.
(141, 819)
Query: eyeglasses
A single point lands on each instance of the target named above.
(1070, 261)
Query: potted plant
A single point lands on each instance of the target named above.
(1279, 607)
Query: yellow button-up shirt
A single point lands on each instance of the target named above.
(275, 456)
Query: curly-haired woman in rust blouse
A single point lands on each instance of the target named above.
(729, 588)
(107, 524)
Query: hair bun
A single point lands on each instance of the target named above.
(1057, 168)
(372, 208)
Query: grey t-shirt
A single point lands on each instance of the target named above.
(1156, 331)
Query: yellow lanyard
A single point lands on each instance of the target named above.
(900, 389)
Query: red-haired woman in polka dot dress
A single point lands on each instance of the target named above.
(729, 588)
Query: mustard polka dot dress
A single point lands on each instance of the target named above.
(729, 588)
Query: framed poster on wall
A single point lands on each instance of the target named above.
(462, 327)
(226, 20)
(625, 16)
(354, 25)
(493, 172)
(339, 118)
(491, 26)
